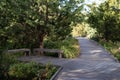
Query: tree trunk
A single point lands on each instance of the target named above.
(106, 33)
(41, 41)
(41, 44)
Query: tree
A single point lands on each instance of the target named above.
(106, 21)
(14, 22)
(29, 21)
(69, 14)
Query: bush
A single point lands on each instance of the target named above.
(23, 70)
(30, 71)
(12, 69)
(69, 46)
(5, 61)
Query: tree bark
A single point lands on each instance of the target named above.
(41, 44)
(41, 37)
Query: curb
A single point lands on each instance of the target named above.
(56, 73)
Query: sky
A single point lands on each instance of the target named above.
(92, 1)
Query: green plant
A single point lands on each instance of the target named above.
(23, 70)
(105, 20)
(31, 71)
(44, 73)
(70, 47)
(12, 69)
(5, 61)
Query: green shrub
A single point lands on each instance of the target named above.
(69, 46)
(5, 61)
(31, 71)
(23, 70)
(12, 69)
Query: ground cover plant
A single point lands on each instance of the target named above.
(12, 69)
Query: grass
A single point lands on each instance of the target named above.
(69, 46)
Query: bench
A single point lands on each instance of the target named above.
(49, 50)
(27, 51)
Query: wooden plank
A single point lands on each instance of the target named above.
(27, 51)
(49, 50)
(18, 50)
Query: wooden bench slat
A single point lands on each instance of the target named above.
(19, 50)
(49, 50)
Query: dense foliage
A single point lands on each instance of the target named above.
(30, 71)
(5, 61)
(84, 30)
(106, 20)
(24, 25)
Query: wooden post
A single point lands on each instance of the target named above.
(27, 53)
(60, 55)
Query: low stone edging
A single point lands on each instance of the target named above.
(56, 73)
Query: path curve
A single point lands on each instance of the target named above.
(94, 63)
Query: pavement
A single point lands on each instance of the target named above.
(94, 63)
